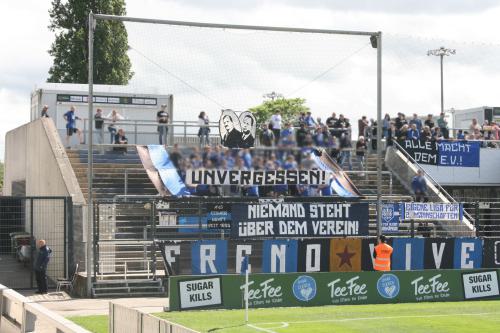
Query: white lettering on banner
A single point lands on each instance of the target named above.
(241, 252)
(255, 228)
(408, 257)
(256, 177)
(265, 291)
(480, 285)
(434, 286)
(438, 254)
(349, 288)
(313, 255)
(465, 261)
(200, 293)
(207, 257)
(432, 211)
(278, 252)
(292, 228)
(169, 249)
(259, 211)
(372, 248)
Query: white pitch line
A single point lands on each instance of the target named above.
(260, 328)
(385, 317)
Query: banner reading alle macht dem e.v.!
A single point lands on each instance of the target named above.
(315, 289)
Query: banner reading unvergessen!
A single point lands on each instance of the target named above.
(299, 220)
(256, 177)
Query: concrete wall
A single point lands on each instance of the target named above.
(34, 153)
(486, 175)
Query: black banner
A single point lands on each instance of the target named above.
(299, 220)
(219, 216)
(237, 250)
(491, 253)
(438, 253)
(313, 255)
(422, 151)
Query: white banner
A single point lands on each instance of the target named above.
(254, 177)
(200, 293)
(432, 211)
(480, 285)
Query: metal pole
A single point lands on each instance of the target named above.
(90, 212)
(379, 133)
(442, 95)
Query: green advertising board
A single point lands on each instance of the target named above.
(337, 288)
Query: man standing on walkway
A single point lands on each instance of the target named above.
(382, 255)
(42, 260)
(419, 186)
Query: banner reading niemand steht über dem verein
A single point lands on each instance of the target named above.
(299, 220)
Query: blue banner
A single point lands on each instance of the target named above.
(408, 253)
(391, 216)
(468, 253)
(209, 257)
(168, 173)
(279, 256)
(459, 153)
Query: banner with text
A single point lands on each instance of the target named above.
(256, 177)
(433, 211)
(299, 220)
(316, 289)
(443, 152)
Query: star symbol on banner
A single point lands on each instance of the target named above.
(345, 257)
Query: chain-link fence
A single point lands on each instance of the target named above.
(23, 221)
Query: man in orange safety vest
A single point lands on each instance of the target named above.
(382, 255)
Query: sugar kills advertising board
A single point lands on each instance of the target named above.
(299, 220)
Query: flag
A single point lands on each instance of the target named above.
(161, 170)
(244, 265)
(341, 183)
(345, 255)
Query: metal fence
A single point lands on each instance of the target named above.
(127, 228)
(23, 221)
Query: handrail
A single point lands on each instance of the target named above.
(434, 182)
(125, 185)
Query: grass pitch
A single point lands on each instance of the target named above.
(452, 317)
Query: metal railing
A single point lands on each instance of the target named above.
(433, 181)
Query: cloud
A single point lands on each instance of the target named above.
(443, 7)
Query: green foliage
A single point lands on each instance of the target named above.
(290, 109)
(94, 324)
(68, 19)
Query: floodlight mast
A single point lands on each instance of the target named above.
(441, 52)
(90, 158)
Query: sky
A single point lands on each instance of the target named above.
(234, 69)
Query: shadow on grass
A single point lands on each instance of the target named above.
(224, 328)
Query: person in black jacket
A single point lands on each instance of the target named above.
(42, 260)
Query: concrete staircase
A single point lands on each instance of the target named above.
(110, 170)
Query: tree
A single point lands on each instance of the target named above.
(290, 109)
(69, 21)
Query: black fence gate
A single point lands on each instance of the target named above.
(23, 221)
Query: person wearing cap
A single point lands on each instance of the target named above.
(382, 255)
(45, 111)
(162, 119)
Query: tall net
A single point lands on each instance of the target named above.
(212, 69)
